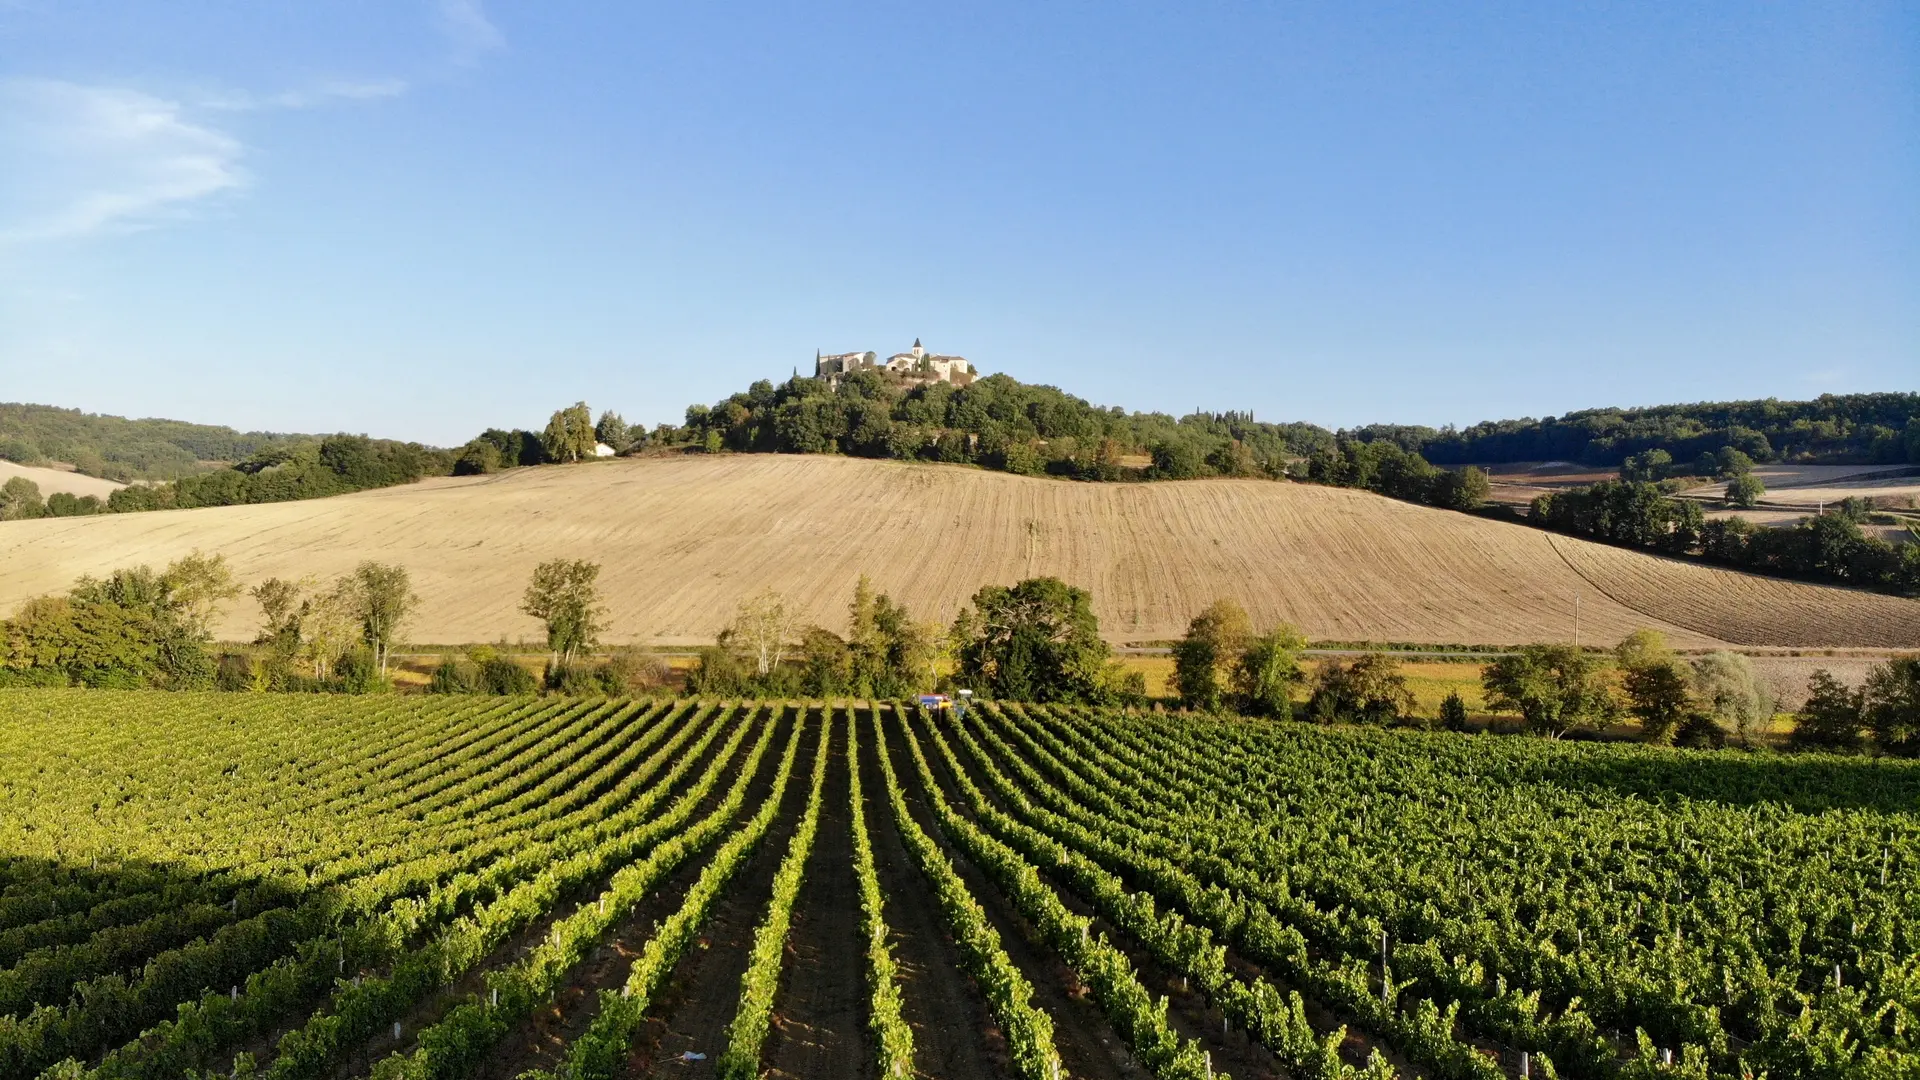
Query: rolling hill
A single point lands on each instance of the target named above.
(683, 539)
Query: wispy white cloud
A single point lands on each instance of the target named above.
(320, 93)
(87, 159)
(78, 159)
(468, 30)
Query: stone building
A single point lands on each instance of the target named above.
(916, 365)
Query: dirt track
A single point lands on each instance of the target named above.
(683, 540)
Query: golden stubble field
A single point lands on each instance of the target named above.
(684, 539)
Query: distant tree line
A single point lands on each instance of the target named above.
(1829, 547)
(1557, 690)
(1849, 428)
(20, 500)
(284, 472)
(117, 448)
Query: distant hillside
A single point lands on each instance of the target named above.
(120, 449)
(684, 539)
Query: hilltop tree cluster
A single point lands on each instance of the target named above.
(996, 422)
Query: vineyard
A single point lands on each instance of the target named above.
(387, 887)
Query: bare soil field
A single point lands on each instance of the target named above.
(1519, 483)
(1746, 608)
(684, 540)
(52, 480)
(1813, 485)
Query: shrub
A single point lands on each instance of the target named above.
(1453, 713)
(633, 671)
(234, 672)
(477, 458)
(500, 675)
(454, 677)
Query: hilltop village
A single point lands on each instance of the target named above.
(916, 364)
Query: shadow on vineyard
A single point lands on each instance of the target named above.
(1808, 784)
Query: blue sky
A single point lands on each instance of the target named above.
(418, 219)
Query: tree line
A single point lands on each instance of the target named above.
(1829, 547)
(141, 628)
(116, 448)
(1036, 640)
(1222, 665)
(1881, 428)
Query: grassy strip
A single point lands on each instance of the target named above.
(455, 1046)
(1140, 1019)
(892, 1036)
(601, 1050)
(1029, 1031)
(761, 981)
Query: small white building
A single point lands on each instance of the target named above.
(601, 449)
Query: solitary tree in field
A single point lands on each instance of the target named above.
(1744, 491)
(569, 435)
(1036, 641)
(563, 594)
(1555, 688)
(1204, 659)
(381, 597)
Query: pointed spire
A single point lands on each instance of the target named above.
(916, 343)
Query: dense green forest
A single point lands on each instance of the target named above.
(117, 448)
(997, 421)
(1002, 423)
(1838, 428)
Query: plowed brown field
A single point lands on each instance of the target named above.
(683, 540)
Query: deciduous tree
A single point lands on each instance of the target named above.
(762, 631)
(564, 595)
(1267, 672)
(1728, 689)
(1891, 703)
(1832, 717)
(1203, 660)
(1554, 688)
(569, 435)
(1035, 641)
(382, 599)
